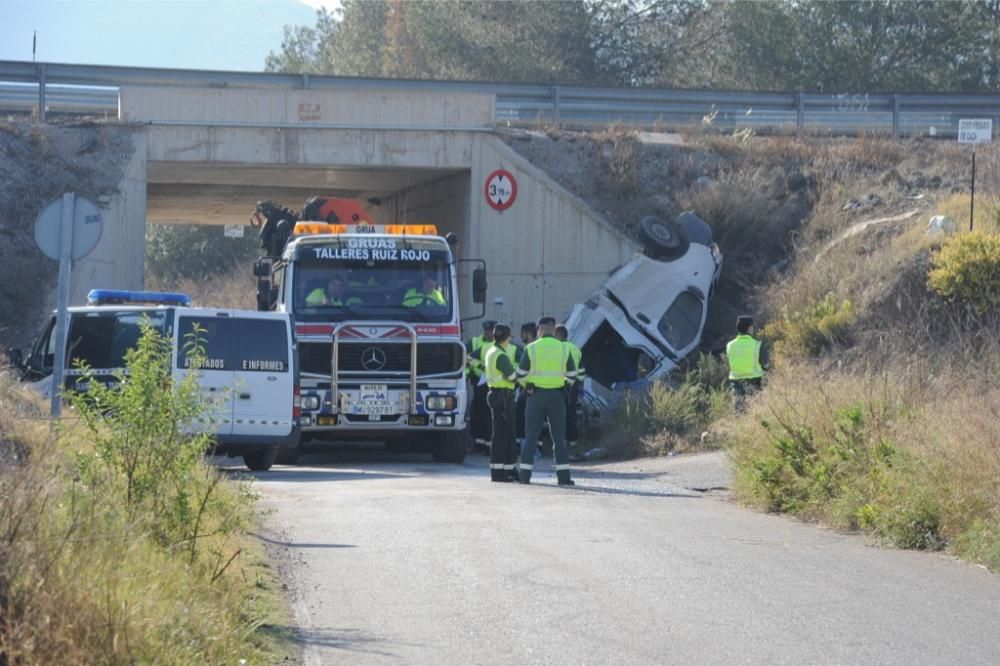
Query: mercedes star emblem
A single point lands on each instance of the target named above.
(373, 359)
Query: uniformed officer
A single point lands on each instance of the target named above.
(545, 369)
(333, 294)
(746, 363)
(479, 416)
(428, 294)
(529, 333)
(573, 392)
(500, 368)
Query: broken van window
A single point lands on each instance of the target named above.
(679, 325)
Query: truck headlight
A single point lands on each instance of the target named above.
(440, 402)
(310, 402)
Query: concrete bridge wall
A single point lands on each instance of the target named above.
(424, 157)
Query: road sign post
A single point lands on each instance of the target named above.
(67, 229)
(65, 254)
(974, 131)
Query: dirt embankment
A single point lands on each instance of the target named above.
(38, 163)
(774, 203)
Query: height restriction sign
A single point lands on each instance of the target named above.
(501, 189)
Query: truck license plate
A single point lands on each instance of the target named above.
(373, 399)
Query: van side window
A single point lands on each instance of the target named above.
(263, 345)
(680, 323)
(216, 336)
(101, 340)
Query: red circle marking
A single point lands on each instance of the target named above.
(500, 189)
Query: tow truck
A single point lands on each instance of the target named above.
(379, 358)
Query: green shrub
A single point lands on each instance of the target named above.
(194, 252)
(807, 333)
(663, 417)
(118, 543)
(967, 269)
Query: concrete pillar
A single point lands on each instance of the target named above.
(118, 261)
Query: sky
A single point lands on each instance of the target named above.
(183, 34)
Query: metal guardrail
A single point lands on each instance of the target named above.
(92, 89)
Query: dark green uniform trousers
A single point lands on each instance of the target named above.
(503, 446)
(545, 404)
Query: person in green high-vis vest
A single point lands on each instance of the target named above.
(500, 368)
(746, 363)
(546, 369)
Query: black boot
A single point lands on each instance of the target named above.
(563, 476)
(524, 476)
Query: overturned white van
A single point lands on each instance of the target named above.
(651, 311)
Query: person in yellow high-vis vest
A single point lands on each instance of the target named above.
(500, 368)
(479, 414)
(546, 368)
(746, 363)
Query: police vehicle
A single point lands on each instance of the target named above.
(248, 375)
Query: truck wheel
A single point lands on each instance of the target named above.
(664, 240)
(452, 447)
(261, 460)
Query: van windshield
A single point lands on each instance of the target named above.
(413, 291)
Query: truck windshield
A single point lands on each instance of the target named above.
(413, 291)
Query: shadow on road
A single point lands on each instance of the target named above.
(290, 544)
(635, 492)
(352, 640)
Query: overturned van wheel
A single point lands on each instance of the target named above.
(452, 447)
(261, 460)
(664, 240)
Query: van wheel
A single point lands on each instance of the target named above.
(452, 447)
(261, 461)
(664, 240)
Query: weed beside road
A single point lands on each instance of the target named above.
(118, 542)
(907, 454)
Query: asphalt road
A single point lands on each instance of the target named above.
(392, 559)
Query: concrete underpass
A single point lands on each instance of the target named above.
(206, 156)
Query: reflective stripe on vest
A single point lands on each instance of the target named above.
(576, 355)
(495, 378)
(548, 363)
(743, 353)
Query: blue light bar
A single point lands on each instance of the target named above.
(125, 297)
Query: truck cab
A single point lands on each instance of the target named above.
(376, 312)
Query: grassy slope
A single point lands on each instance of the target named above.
(81, 582)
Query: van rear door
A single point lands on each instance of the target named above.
(264, 384)
(216, 334)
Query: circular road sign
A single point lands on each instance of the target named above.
(87, 228)
(501, 189)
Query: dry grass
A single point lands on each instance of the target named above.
(907, 453)
(235, 289)
(81, 582)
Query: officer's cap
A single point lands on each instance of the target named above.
(501, 331)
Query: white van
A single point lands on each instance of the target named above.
(249, 375)
(650, 313)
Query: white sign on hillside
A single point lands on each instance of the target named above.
(234, 231)
(977, 130)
